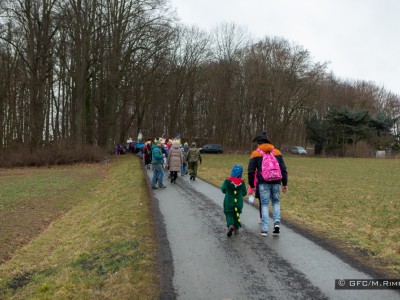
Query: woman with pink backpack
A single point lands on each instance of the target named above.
(267, 165)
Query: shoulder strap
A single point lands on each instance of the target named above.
(261, 152)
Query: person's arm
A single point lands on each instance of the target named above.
(187, 156)
(251, 171)
(244, 190)
(158, 155)
(284, 172)
(223, 187)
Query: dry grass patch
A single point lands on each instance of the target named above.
(102, 248)
(31, 198)
(354, 202)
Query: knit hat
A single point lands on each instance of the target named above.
(262, 138)
(237, 171)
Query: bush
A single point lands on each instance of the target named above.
(50, 155)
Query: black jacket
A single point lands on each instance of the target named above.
(256, 162)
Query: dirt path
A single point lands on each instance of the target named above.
(208, 265)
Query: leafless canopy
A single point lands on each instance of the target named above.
(96, 71)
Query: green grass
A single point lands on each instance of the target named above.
(27, 184)
(32, 197)
(352, 201)
(103, 247)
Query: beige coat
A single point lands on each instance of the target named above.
(175, 157)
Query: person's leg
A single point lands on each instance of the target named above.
(229, 222)
(154, 178)
(257, 195)
(265, 194)
(157, 174)
(229, 219)
(237, 221)
(276, 206)
(175, 175)
(161, 176)
(195, 165)
(190, 168)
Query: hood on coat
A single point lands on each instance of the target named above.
(265, 148)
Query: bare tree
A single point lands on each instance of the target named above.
(34, 21)
(229, 45)
(190, 53)
(281, 79)
(95, 71)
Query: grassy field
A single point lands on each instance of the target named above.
(95, 239)
(86, 231)
(353, 202)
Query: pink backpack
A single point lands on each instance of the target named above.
(270, 169)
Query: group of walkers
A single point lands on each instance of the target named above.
(129, 147)
(172, 157)
(267, 177)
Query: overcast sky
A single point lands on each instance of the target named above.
(360, 39)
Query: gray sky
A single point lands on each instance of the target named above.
(360, 39)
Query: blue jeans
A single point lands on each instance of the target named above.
(183, 169)
(158, 175)
(273, 192)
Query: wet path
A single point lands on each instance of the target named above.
(208, 265)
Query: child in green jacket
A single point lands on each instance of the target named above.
(234, 189)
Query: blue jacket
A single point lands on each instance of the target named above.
(156, 155)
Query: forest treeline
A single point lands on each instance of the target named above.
(94, 72)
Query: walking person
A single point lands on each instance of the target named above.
(186, 147)
(175, 160)
(118, 149)
(234, 189)
(147, 155)
(193, 159)
(165, 151)
(184, 150)
(267, 189)
(157, 162)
